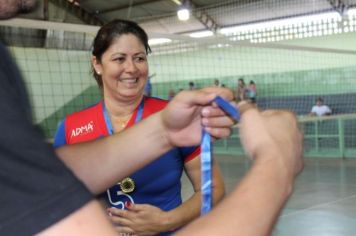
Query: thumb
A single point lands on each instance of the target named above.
(197, 97)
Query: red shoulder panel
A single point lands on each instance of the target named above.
(85, 125)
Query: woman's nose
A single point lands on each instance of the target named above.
(130, 66)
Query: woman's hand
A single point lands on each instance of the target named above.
(138, 219)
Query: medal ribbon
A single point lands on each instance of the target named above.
(206, 157)
(108, 121)
(111, 131)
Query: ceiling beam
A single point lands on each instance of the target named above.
(75, 8)
(126, 6)
(338, 5)
(204, 18)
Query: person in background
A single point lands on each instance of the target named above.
(148, 88)
(252, 91)
(319, 109)
(152, 195)
(241, 90)
(191, 85)
(216, 83)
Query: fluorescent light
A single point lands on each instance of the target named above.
(201, 34)
(156, 41)
(183, 14)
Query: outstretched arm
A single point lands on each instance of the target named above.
(274, 142)
(101, 163)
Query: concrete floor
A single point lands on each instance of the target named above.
(323, 202)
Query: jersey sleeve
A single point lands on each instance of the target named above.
(37, 189)
(189, 153)
(313, 110)
(60, 136)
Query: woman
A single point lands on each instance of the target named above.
(152, 196)
(252, 91)
(241, 90)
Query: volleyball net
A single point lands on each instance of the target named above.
(292, 60)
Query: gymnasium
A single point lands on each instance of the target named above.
(293, 52)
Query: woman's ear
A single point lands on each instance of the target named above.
(96, 65)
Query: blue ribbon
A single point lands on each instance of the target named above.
(206, 156)
(108, 121)
(206, 174)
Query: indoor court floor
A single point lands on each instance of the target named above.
(323, 202)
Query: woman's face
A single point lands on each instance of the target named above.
(123, 68)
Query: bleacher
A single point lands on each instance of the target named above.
(332, 136)
(301, 105)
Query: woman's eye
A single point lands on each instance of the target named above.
(140, 59)
(120, 59)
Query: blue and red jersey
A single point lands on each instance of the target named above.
(158, 183)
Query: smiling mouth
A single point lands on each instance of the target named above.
(129, 81)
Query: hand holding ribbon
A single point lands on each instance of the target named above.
(185, 115)
(206, 156)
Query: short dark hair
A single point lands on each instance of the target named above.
(108, 33)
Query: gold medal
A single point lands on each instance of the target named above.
(127, 185)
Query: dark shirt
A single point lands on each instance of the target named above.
(37, 189)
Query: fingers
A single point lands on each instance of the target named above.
(218, 133)
(223, 92)
(203, 96)
(212, 111)
(120, 221)
(194, 97)
(216, 122)
(120, 218)
(123, 230)
(245, 106)
(116, 212)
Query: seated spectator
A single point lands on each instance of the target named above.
(191, 85)
(319, 109)
(252, 91)
(216, 83)
(148, 88)
(241, 90)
